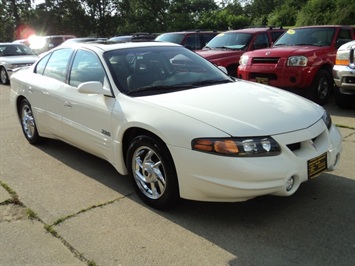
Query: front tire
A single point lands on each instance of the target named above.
(28, 123)
(321, 87)
(153, 171)
(4, 78)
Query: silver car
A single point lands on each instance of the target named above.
(344, 75)
(12, 56)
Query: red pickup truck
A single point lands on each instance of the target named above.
(301, 61)
(226, 48)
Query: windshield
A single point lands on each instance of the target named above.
(171, 37)
(15, 50)
(230, 40)
(154, 70)
(307, 36)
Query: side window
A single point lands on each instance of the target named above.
(192, 42)
(261, 41)
(42, 64)
(55, 41)
(343, 37)
(206, 38)
(86, 67)
(275, 35)
(57, 64)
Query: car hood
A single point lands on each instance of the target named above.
(20, 59)
(216, 54)
(243, 108)
(287, 51)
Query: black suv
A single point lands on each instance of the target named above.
(193, 40)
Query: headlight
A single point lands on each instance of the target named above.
(297, 61)
(240, 147)
(342, 58)
(327, 119)
(243, 60)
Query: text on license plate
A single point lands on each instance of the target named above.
(262, 80)
(317, 165)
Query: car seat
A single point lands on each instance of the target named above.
(145, 73)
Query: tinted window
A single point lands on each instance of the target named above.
(86, 67)
(55, 41)
(275, 35)
(206, 37)
(57, 64)
(261, 41)
(155, 70)
(192, 42)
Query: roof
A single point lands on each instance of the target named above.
(253, 30)
(107, 46)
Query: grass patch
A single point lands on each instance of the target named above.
(31, 214)
(51, 230)
(13, 194)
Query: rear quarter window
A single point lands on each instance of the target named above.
(57, 65)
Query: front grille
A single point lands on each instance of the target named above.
(265, 60)
(294, 146)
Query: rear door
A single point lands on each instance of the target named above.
(47, 87)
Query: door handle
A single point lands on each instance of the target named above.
(67, 104)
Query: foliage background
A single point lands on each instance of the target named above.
(106, 18)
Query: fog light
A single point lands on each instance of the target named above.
(290, 183)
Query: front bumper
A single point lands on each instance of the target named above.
(278, 75)
(207, 177)
(344, 78)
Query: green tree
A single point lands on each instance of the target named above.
(316, 12)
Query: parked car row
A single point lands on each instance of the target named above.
(301, 60)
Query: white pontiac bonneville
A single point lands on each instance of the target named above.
(175, 122)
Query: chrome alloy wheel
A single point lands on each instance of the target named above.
(149, 172)
(27, 121)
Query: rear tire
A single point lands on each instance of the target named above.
(153, 171)
(28, 123)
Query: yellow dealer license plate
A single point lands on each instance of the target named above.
(262, 80)
(317, 165)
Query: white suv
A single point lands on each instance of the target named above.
(344, 75)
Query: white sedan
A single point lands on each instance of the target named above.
(175, 122)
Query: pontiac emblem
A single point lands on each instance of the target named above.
(267, 53)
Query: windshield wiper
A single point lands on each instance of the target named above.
(227, 48)
(160, 89)
(281, 44)
(211, 82)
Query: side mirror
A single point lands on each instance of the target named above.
(93, 87)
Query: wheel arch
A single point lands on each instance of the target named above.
(133, 132)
